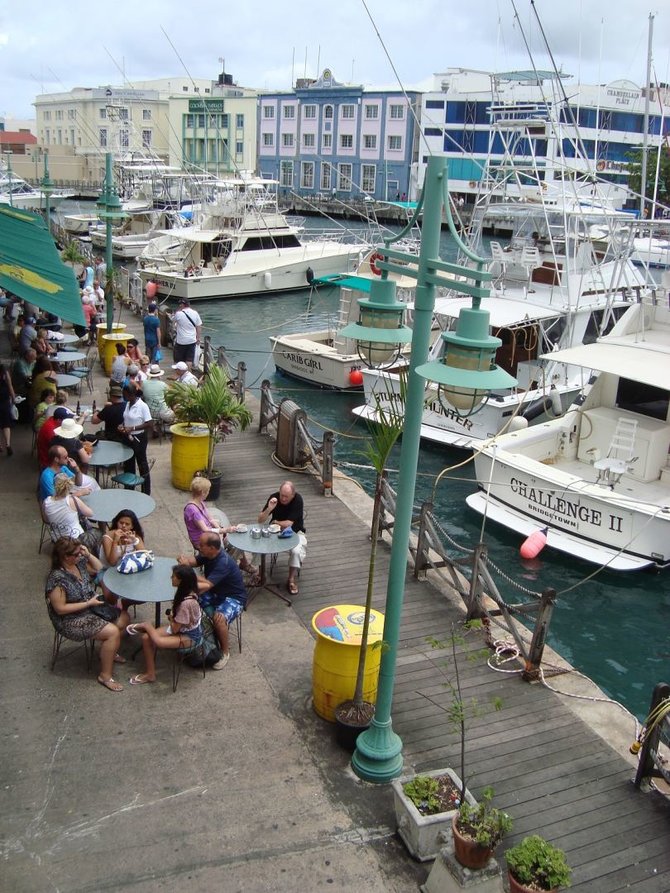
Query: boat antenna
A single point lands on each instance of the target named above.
(645, 125)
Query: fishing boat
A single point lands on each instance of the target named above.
(241, 244)
(553, 285)
(651, 251)
(598, 479)
(133, 235)
(20, 194)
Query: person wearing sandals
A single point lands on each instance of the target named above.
(184, 630)
(285, 507)
(76, 611)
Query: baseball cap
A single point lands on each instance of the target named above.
(30, 319)
(152, 307)
(62, 413)
(182, 301)
(116, 390)
(181, 366)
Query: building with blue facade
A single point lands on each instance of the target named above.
(338, 140)
(537, 118)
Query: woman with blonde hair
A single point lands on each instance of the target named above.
(63, 512)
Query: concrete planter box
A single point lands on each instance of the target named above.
(421, 833)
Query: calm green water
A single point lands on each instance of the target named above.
(614, 628)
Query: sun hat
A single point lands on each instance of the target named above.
(68, 429)
(155, 371)
(181, 366)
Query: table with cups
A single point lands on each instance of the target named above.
(263, 541)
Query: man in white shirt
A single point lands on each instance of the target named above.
(189, 327)
(136, 423)
(184, 375)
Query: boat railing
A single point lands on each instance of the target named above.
(217, 356)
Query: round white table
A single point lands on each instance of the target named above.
(151, 585)
(63, 380)
(69, 356)
(107, 453)
(108, 503)
(66, 338)
(266, 545)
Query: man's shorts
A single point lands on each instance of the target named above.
(229, 607)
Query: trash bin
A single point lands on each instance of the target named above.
(338, 630)
(190, 451)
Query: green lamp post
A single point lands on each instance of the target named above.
(47, 187)
(109, 210)
(379, 332)
(467, 373)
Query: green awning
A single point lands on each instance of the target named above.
(30, 265)
(344, 280)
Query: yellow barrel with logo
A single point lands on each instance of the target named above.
(109, 353)
(338, 631)
(190, 451)
(101, 329)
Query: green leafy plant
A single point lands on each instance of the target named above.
(212, 404)
(422, 791)
(536, 862)
(72, 254)
(483, 823)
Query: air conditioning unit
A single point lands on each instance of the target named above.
(288, 435)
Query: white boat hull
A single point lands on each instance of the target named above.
(651, 252)
(257, 272)
(314, 359)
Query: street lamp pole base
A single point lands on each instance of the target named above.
(378, 754)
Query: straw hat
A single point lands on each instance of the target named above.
(69, 429)
(155, 371)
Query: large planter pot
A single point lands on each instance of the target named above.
(421, 833)
(190, 451)
(338, 637)
(346, 730)
(468, 852)
(517, 887)
(448, 875)
(215, 478)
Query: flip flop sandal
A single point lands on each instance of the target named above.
(292, 587)
(139, 680)
(132, 629)
(110, 684)
(118, 659)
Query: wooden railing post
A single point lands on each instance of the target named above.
(475, 611)
(241, 381)
(647, 765)
(327, 463)
(546, 609)
(421, 559)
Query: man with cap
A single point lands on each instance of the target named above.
(189, 327)
(184, 374)
(111, 414)
(153, 393)
(152, 331)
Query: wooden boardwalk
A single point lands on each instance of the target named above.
(549, 770)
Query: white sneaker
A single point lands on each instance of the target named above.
(220, 664)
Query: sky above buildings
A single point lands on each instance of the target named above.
(46, 48)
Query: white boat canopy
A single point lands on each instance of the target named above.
(638, 361)
(189, 234)
(504, 313)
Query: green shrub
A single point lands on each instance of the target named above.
(536, 861)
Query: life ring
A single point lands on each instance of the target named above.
(373, 263)
(473, 184)
(601, 165)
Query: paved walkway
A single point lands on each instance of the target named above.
(233, 782)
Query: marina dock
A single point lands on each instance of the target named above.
(233, 782)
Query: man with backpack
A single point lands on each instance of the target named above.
(189, 327)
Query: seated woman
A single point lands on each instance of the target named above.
(200, 519)
(133, 351)
(63, 512)
(44, 377)
(74, 608)
(184, 632)
(124, 534)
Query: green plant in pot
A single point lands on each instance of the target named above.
(213, 405)
(354, 715)
(478, 830)
(535, 865)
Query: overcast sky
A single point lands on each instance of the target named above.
(51, 47)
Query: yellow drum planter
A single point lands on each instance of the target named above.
(338, 631)
(109, 353)
(190, 452)
(101, 329)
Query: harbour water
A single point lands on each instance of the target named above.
(612, 627)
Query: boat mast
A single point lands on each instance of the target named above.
(645, 125)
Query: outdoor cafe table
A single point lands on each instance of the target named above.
(69, 356)
(65, 339)
(63, 380)
(266, 545)
(108, 503)
(107, 453)
(151, 585)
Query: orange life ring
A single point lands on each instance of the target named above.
(373, 263)
(601, 165)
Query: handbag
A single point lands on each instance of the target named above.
(158, 355)
(14, 412)
(135, 562)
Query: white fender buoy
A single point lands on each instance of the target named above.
(534, 544)
(555, 400)
(267, 279)
(518, 423)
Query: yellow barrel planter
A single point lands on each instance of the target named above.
(101, 329)
(190, 451)
(109, 353)
(338, 630)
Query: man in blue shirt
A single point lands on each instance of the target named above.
(223, 595)
(61, 463)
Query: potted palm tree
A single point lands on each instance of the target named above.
(354, 715)
(212, 410)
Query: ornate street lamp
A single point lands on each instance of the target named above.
(48, 188)
(110, 210)
(465, 377)
(379, 332)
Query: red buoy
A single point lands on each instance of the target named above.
(356, 378)
(151, 289)
(534, 544)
